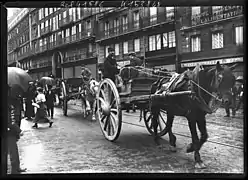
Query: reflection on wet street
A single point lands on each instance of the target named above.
(76, 145)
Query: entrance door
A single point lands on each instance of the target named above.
(57, 65)
(59, 72)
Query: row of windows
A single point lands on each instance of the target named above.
(44, 12)
(217, 40)
(22, 26)
(156, 42)
(53, 25)
(16, 43)
(125, 47)
(159, 41)
(136, 18)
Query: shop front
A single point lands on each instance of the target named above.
(238, 61)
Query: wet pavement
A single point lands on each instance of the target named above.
(77, 145)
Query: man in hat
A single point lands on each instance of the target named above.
(30, 96)
(13, 134)
(50, 100)
(110, 65)
(134, 60)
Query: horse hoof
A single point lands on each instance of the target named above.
(172, 148)
(200, 165)
(156, 140)
(190, 148)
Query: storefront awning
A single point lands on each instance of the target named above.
(213, 62)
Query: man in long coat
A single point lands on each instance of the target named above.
(110, 65)
(13, 134)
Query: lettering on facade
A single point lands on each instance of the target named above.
(206, 17)
(213, 62)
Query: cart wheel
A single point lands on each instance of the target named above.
(162, 120)
(109, 110)
(64, 97)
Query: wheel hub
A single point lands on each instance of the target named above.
(106, 109)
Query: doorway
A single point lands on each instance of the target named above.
(56, 65)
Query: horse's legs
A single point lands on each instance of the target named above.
(84, 107)
(194, 146)
(172, 137)
(155, 113)
(93, 110)
(201, 123)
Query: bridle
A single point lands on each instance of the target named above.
(213, 92)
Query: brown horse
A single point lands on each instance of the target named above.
(203, 82)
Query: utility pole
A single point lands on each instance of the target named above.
(177, 33)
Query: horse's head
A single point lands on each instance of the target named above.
(222, 79)
(94, 85)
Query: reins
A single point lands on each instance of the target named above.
(148, 69)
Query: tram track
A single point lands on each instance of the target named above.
(184, 124)
(179, 134)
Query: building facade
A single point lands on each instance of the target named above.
(150, 32)
(60, 40)
(18, 37)
(211, 34)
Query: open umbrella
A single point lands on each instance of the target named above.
(18, 80)
(44, 81)
(47, 81)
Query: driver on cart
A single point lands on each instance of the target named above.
(110, 65)
(134, 60)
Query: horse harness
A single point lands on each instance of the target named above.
(210, 107)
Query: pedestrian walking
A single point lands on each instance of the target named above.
(50, 100)
(30, 97)
(13, 134)
(110, 65)
(41, 112)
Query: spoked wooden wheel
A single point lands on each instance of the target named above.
(162, 121)
(109, 110)
(64, 97)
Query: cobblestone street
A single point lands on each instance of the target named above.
(75, 144)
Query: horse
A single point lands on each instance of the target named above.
(204, 82)
(89, 90)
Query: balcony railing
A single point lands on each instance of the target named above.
(221, 14)
(136, 25)
(66, 21)
(45, 30)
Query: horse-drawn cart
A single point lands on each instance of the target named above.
(70, 90)
(110, 104)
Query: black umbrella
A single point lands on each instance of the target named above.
(18, 80)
